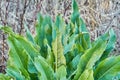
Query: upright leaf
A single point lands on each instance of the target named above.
(15, 72)
(43, 33)
(5, 77)
(72, 66)
(88, 59)
(17, 57)
(75, 13)
(86, 36)
(29, 35)
(60, 24)
(110, 44)
(44, 70)
(107, 69)
(50, 57)
(60, 62)
(87, 75)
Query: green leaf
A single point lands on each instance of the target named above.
(61, 73)
(5, 77)
(20, 44)
(60, 24)
(60, 60)
(29, 35)
(54, 32)
(7, 30)
(38, 27)
(43, 32)
(23, 41)
(47, 25)
(107, 69)
(61, 50)
(79, 48)
(68, 47)
(72, 66)
(50, 57)
(17, 57)
(84, 42)
(15, 72)
(117, 77)
(110, 44)
(58, 51)
(87, 75)
(45, 71)
(32, 52)
(27, 46)
(86, 37)
(75, 14)
(104, 37)
(89, 58)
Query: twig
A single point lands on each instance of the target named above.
(22, 17)
(38, 8)
(67, 8)
(109, 26)
(3, 36)
(5, 23)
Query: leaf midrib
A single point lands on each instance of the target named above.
(109, 69)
